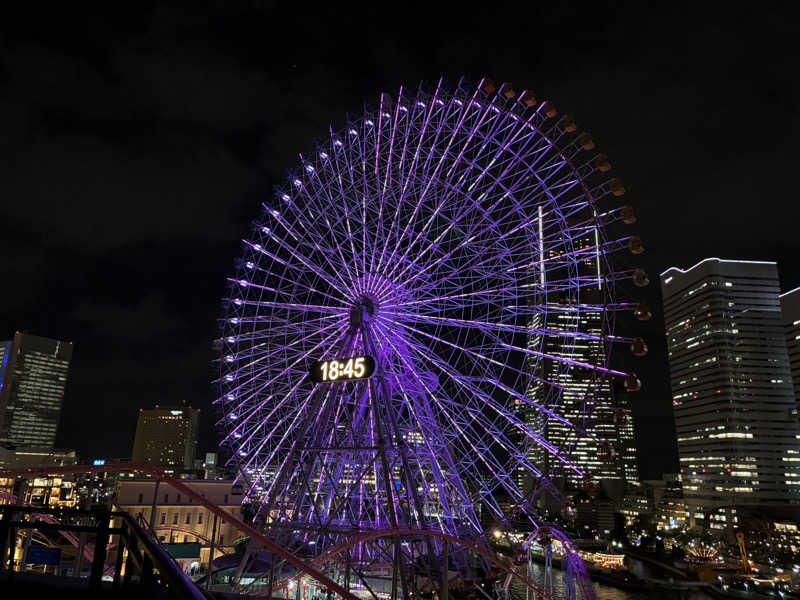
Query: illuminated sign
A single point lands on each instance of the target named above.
(342, 369)
(98, 461)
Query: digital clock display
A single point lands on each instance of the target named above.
(342, 369)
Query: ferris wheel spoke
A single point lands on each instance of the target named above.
(334, 235)
(460, 380)
(388, 171)
(269, 437)
(426, 302)
(492, 259)
(261, 356)
(280, 446)
(468, 238)
(302, 270)
(482, 361)
(277, 327)
(401, 170)
(544, 265)
(421, 423)
(488, 400)
(263, 419)
(348, 232)
(485, 457)
(529, 351)
(354, 187)
(339, 333)
(468, 196)
(503, 327)
(292, 306)
(572, 283)
(244, 283)
(341, 287)
(299, 282)
(422, 195)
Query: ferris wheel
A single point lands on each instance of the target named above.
(408, 308)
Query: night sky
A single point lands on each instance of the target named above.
(136, 147)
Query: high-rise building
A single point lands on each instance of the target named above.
(33, 375)
(731, 385)
(167, 438)
(608, 452)
(584, 397)
(790, 308)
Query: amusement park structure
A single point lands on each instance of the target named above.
(314, 569)
(387, 329)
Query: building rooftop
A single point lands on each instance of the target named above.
(724, 260)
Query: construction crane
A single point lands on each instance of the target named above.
(743, 552)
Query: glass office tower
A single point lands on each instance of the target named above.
(732, 393)
(33, 376)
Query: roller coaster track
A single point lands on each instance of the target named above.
(312, 568)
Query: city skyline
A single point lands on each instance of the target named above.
(789, 315)
(91, 131)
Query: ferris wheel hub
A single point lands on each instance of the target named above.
(363, 311)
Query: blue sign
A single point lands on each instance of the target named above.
(42, 555)
(98, 461)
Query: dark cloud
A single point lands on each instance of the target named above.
(22, 269)
(83, 189)
(137, 322)
(196, 85)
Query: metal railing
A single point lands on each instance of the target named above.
(147, 566)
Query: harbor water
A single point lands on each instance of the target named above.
(607, 592)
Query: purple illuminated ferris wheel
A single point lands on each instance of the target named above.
(405, 312)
